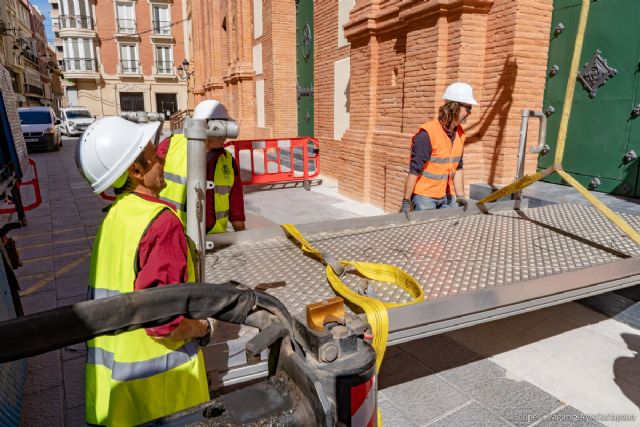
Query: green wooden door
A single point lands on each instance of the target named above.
(304, 66)
(598, 136)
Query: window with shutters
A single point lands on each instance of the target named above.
(164, 59)
(161, 20)
(125, 20)
(129, 62)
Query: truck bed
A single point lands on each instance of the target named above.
(474, 267)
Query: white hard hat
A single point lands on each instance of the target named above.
(210, 109)
(460, 92)
(108, 147)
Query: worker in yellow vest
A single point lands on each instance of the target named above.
(435, 179)
(225, 203)
(137, 376)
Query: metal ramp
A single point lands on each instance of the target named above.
(474, 267)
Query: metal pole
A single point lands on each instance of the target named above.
(196, 133)
(521, 150)
(542, 147)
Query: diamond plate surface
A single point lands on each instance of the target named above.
(447, 257)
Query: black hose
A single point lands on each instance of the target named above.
(45, 331)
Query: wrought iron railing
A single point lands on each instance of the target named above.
(79, 64)
(30, 57)
(164, 67)
(162, 28)
(126, 26)
(33, 89)
(177, 119)
(76, 21)
(130, 66)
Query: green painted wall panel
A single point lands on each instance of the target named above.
(304, 66)
(601, 129)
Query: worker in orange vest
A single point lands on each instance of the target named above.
(435, 178)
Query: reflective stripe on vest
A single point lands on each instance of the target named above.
(175, 176)
(131, 377)
(127, 371)
(223, 179)
(98, 293)
(436, 180)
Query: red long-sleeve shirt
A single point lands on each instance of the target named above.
(162, 258)
(236, 197)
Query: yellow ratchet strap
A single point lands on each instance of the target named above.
(375, 309)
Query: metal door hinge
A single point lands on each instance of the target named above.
(549, 110)
(594, 183)
(304, 91)
(553, 70)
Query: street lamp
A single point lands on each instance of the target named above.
(183, 70)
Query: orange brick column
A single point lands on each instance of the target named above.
(514, 79)
(355, 153)
(279, 68)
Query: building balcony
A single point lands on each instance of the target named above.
(33, 91)
(30, 57)
(129, 68)
(80, 69)
(126, 29)
(164, 70)
(162, 30)
(76, 26)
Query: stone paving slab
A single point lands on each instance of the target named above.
(425, 399)
(471, 415)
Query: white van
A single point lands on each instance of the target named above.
(75, 120)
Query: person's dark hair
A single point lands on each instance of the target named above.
(448, 112)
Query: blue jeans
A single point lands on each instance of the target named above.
(424, 203)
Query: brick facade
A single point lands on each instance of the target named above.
(100, 87)
(403, 54)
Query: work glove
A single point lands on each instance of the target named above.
(406, 207)
(462, 202)
(206, 339)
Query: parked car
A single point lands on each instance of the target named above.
(39, 127)
(75, 120)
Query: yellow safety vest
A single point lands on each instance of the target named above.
(175, 175)
(132, 378)
(223, 179)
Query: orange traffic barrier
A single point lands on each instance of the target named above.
(34, 183)
(277, 160)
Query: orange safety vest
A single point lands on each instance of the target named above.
(436, 180)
